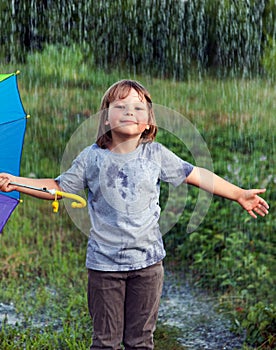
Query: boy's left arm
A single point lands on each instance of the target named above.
(212, 183)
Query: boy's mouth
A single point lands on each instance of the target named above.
(128, 121)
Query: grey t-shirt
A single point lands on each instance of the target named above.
(123, 202)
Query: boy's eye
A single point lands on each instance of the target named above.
(140, 107)
(120, 106)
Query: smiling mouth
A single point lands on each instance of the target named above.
(129, 122)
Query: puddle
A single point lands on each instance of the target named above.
(8, 314)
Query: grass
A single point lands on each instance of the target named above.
(42, 255)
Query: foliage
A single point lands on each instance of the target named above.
(269, 59)
(54, 64)
(260, 323)
(179, 36)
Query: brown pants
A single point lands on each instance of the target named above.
(124, 307)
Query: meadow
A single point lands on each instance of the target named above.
(231, 255)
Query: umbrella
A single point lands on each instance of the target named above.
(13, 119)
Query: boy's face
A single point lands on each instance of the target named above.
(128, 116)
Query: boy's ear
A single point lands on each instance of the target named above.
(106, 122)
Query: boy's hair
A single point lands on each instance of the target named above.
(120, 90)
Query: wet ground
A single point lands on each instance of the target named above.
(8, 314)
(201, 327)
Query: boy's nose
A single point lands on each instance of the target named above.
(129, 110)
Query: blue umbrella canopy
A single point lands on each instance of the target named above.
(13, 120)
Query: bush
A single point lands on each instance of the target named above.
(260, 324)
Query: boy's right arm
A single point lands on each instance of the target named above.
(6, 186)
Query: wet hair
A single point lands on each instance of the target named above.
(120, 90)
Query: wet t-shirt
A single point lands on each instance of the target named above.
(123, 202)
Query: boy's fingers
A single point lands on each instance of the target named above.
(250, 212)
(4, 184)
(259, 190)
(261, 210)
(261, 200)
(263, 203)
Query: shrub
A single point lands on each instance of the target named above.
(260, 324)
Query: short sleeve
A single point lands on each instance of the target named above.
(74, 179)
(174, 170)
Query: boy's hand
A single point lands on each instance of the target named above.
(5, 180)
(252, 203)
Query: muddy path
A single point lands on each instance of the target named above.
(193, 313)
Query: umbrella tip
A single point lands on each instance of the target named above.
(17, 72)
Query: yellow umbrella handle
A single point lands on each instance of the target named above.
(79, 202)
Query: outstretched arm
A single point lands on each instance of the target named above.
(7, 179)
(248, 199)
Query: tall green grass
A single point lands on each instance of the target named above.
(42, 255)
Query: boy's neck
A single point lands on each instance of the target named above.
(124, 146)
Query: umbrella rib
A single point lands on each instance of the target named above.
(27, 116)
(43, 189)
